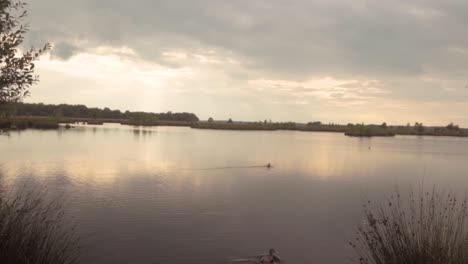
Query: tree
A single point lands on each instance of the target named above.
(230, 120)
(419, 127)
(210, 119)
(16, 67)
(451, 126)
(384, 125)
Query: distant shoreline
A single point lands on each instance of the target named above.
(359, 130)
(48, 116)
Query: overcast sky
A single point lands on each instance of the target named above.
(299, 60)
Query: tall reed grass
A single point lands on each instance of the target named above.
(33, 230)
(419, 228)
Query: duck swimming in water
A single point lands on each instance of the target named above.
(271, 258)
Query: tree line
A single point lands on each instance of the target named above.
(82, 111)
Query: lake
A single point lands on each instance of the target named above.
(176, 195)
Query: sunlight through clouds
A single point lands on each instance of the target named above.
(232, 58)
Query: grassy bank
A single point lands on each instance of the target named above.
(156, 123)
(353, 130)
(369, 131)
(232, 126)
(336, 128)
(431, 131)
(226, 125)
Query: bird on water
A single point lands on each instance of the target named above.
(270, 258)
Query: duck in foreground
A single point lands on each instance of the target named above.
(271, 258)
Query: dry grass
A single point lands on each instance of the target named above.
(420, 228)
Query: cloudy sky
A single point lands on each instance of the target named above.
(299, 60)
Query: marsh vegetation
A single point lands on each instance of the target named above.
(419, 228)
(230, 125)
(361, 130)
(33, 230)
(24, 123)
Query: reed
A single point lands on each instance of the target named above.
(422, 228)
(34, 231)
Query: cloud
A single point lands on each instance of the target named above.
(64, 50)
(302, 37)
(397, 51)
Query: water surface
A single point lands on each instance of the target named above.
(175, 195)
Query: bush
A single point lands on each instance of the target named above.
(430, 228)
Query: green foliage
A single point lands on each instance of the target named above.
(423, 228)
(16, 68)
(81, 111)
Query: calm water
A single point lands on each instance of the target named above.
(174, 195)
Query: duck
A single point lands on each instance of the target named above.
(271, 258)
